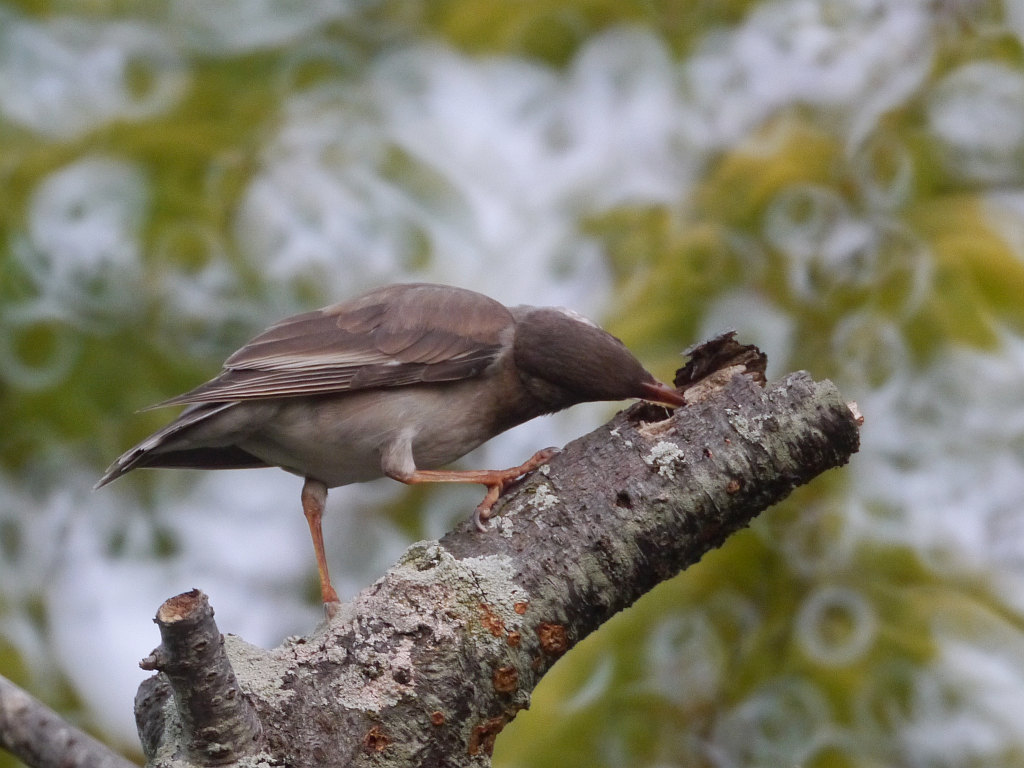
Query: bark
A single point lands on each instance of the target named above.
(426, 666)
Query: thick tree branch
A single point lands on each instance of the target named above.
(41, 738)
(427, 665)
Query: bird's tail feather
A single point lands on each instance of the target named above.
(157, 450)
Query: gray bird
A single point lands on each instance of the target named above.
(396, 382)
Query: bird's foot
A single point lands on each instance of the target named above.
(331, 608)
(495, 480)
(330, 599)
(502, 479)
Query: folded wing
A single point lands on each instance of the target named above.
(395, 336)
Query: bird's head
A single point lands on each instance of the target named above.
(565, 359)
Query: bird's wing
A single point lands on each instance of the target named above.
(397, 335)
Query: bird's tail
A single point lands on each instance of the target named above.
(159, 449)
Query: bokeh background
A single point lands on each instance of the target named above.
(842, 181)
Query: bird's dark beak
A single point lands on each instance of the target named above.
(662, 393)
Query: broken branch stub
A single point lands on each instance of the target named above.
(218, 723)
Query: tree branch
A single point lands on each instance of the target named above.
(41, 738)
(218, 724)
(426, 666)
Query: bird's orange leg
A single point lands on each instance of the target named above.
(314, 498)
(496, 480)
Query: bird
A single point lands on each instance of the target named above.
(398, 382)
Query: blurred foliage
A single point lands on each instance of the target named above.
(552, 31)
(978, 277)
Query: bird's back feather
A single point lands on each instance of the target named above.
(395, 336)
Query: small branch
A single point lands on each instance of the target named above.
(41, 738)
(426, 666)
(218, 723)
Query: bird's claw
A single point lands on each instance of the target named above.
(480, 518)
(482, 513)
